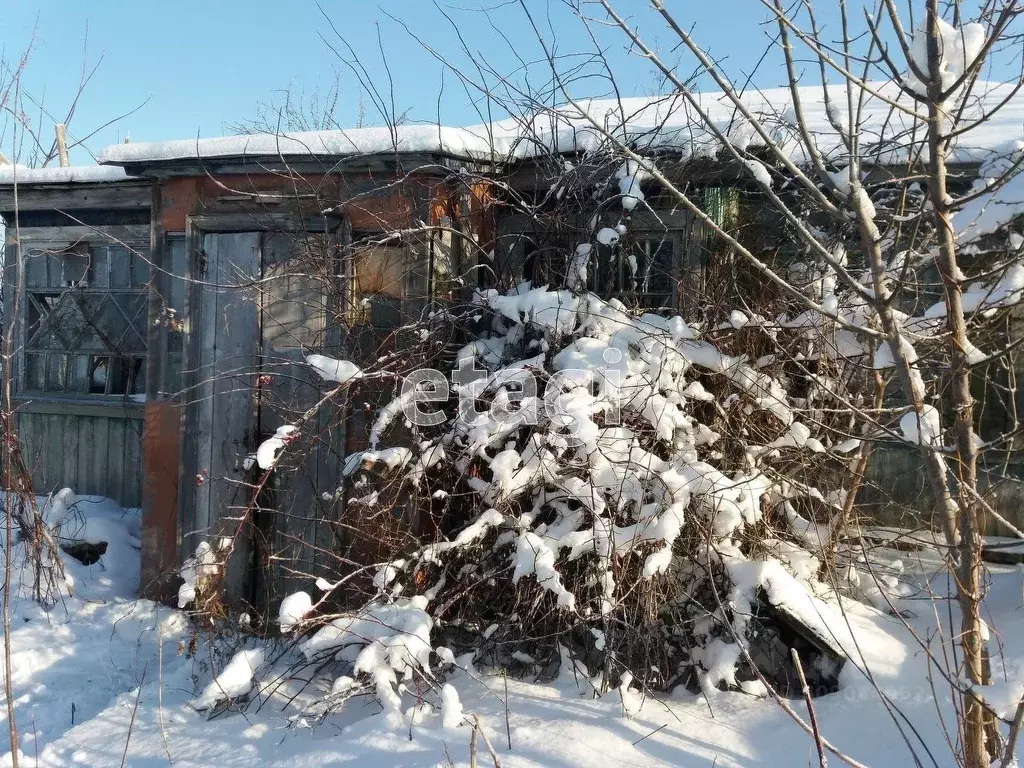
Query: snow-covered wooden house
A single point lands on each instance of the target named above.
(262, 248)
(170, 295)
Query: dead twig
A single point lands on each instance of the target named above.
(822, 759)
(131, 722)
(487, 741)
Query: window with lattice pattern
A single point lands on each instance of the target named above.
(641, 271)
(85, 321)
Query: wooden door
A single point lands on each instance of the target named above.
(295, 304)
(223, 427)
(261, 304)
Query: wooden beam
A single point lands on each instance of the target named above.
(133, 194)
(62, 144)
(107, 408)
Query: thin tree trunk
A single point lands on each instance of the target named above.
(968, 570)
(11, 497)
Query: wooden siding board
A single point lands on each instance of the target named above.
(42, 442)
(111, 409)
(332, 429)
(132, 482)
(203, 328)
(36, 261)
(27, 433)
(63, 236)
(292, 317)
(99, 269)
(129, 195)
(115, 456)
(72, 445)
(86, 456)
(45, 443)
(228, 358)
(7, 292)
(94, 456)
(101, 429)
(235, 371)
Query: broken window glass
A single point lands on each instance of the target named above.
(85, 314)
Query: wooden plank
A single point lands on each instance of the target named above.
(188, 453)
(292, 320)
(86, 452)
(98, 481)
(131, 195)
(204, 326)
(133, 463)
(71, 428)
(35, 268)
(35, 448)
(61, 131)
(113, 408)
(27, 434)
(42, 438)
(227, 329)
(135, 235)
(41, 435)
(57, 443)
(235, 371)
(115, 453)
(258, 219)
(99, 268)
(332, 429)
(120, 260)
(305, 164)
(18, 318)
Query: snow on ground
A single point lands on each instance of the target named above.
(103, 673)
(69, 663)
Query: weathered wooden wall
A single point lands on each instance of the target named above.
(896, 493)
(92, 449)
(229, 370)
(74, 434)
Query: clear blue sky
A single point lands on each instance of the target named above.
(197, 68)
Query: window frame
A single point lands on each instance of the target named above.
(627, 287)
(427, 271)
(94, 296)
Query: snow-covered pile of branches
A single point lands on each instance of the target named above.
(605, 483)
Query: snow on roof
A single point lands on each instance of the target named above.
(887, 134)
(83, 173)
(457, 142)
(670, 122)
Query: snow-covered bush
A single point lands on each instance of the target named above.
(607, 481)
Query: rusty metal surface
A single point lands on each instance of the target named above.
(160, 436)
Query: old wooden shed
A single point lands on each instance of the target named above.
(265, 249)
(76, 291)
(164, 302)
